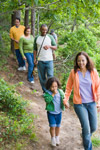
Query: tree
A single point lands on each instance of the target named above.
(26, 17)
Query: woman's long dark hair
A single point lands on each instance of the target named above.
(89, 65)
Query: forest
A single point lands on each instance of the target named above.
(77, 25)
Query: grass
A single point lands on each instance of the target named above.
(96, 141)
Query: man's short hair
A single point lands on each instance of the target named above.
(43, 25)
(17, 19)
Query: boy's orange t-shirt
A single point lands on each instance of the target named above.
(16, 33)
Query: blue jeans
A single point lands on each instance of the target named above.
(30, 60)
(54, 119)
(20, 60)
(87, 114)
(45, 71)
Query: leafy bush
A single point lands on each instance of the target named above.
(73, 42)
(79, 40)
(4, 48)
(14, 120)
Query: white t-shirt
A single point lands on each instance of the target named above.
(44, 55)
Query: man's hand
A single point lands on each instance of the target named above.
(35, 62)
(16, 41)
(46, 47)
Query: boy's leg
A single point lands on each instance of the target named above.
(52, 124)
(57, 131)
(52, 131)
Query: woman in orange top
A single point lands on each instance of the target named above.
(85, 82)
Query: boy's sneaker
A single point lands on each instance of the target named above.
(53, 141)
(57, 140)
(20, 69)
(24, 68)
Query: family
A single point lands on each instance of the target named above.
(83, 79)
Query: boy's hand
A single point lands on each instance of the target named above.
(54, 92)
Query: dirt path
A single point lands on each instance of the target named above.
(70, 129)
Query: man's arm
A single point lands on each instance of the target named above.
(35, 54)
(11, 36)
(15, 40)
(53, 45)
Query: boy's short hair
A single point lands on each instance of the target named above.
(50, 81)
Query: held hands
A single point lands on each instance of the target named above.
(66, 104)
(46, 47)
(98, 109)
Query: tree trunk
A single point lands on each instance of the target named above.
(73, 26)
(13, 17)
(33, 22)
(38, 20)
(26, 18)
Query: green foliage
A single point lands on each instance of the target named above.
(4, 48)
(80, 40)
(14, 120)
(73, 42)
(96, 141)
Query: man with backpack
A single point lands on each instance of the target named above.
(44, 44)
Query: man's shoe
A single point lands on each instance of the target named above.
(24, 68)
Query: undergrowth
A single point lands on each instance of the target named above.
(15, 122)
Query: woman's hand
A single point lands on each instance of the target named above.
(98, 108)
(24, 58)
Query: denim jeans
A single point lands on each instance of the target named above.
(45, 71)
(87, 114)
(30, 60)
(20, 60)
